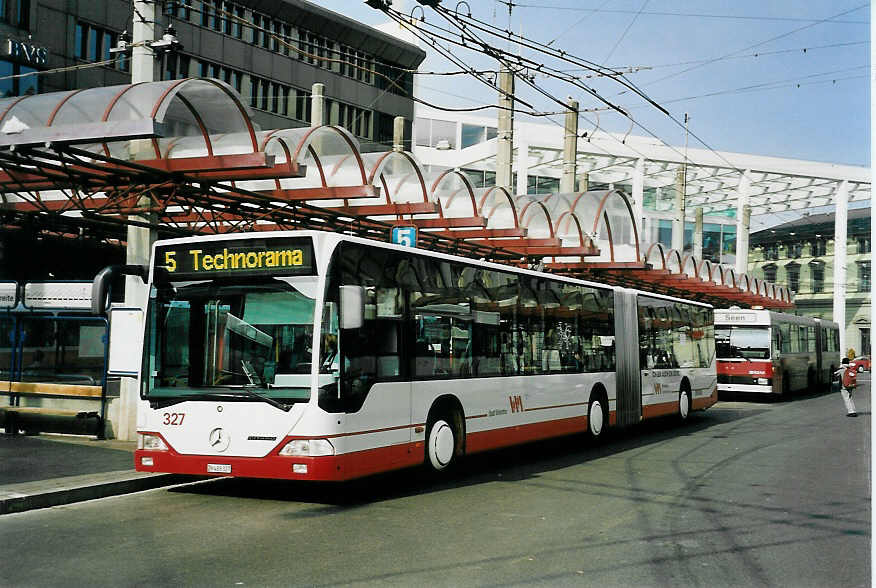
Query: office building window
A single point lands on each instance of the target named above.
(863, 276)
(93, 43)
(771, 251)
(863, 244)
(792, 271)
(178, 10)
(816, 271)
(302, 105)
(440, 134)
(176, 66)
(795, 250)
(769, 273)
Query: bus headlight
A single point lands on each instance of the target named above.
(308, 448)
(763, 381)
(150, 442)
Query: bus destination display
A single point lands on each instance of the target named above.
(245, 258)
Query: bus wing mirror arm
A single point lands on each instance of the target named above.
(100, 287)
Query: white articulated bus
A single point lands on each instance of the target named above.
(761, 351)
(318, 356)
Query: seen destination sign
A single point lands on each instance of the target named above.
(248, 257)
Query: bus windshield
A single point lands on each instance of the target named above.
(215, 337)
(742, 342)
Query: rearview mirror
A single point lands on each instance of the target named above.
(125, 342)
(352, 307)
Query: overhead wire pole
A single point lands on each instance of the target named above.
(140, 231)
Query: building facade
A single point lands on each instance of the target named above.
(800, 253)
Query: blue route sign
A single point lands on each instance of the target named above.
(406, 236)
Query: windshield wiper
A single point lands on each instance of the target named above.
(165, 402)
(275, 403)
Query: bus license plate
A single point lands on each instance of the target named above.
(218, 468)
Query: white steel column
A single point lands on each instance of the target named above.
(522, 167)
(639, 197)
(317, 105)
(398, 133)
(570, 149)
(698, 234)
(505, 131)
(742, 222)
(678, 216)
(840, 235)
(138, 248)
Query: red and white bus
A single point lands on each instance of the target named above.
(760, 351)
(318, 356)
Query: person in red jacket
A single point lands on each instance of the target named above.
(848, 379)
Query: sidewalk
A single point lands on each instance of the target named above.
(49, 470)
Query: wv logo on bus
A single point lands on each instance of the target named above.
(516, 403)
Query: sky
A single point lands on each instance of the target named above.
(781, 78)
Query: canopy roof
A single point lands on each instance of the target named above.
(185, 156)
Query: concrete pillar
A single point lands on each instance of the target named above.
(840, 236)
(743, 193)
(698, 234)
(639, 197)
(398, 133)
(317, 105)
(584, 182)
(522, 167)
(678, 220)
(505, 131)
(570, 149)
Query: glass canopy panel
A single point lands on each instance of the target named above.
(182, 127)
(455, 195)
(180, 147)
(402, 178)
(498, 207)
(89, 105)
(33, 111)
(237, 143)
(139, 101)
(622, 232)
(213, 101)
(329, 154)
(534, 217)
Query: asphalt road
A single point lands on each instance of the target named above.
(746, 494)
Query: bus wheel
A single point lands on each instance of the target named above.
(684, 404)
(597, 417)
(440, 443)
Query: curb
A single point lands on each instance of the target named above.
(47, 493)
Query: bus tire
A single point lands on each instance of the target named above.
(684, 403)
(597, 415)
(442, 441)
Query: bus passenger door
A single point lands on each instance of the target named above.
(628, 375)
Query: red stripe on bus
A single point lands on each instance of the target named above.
(486, 440)
(656, 410)
(706, 402)
(555, 406)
